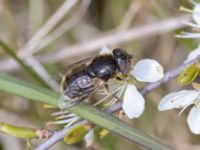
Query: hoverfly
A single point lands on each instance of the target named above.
(87, 76)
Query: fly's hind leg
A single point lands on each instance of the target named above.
(70, 104)
(65, 102)
(110, 92)
(114, 99)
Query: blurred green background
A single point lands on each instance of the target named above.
(145, 28)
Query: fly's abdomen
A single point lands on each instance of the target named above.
(80, 87)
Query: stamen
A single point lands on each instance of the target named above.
(72, 122)
(65, 116)
(184, 9)
(182, 110)
(64, 121)
(102, 100)
(192, 25)
(116, 90)
(193, 2)
(188, 35)
(60, 113)
(111, 102)
(118, 94)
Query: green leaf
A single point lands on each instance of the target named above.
(20, 132)
(75, 135)
(188, 75)
(107, 121)
(26, 68)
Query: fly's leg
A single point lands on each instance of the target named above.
(65, 103)
(114, 99)
(70, 104)
(110, 92)
(119, 78)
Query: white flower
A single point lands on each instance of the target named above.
(147, 70)
(133, 102)
(193, 54)
(196, 14)
(193, 120)
(178, 100)
(196, 17)
(105, 50)
(89, 138)
(183, 99)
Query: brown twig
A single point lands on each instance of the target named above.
(57, 136)
(108, 38)
(29, 48)
(116, 37)
(129, 15)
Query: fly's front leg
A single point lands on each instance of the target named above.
(110, 92)
(119, 78)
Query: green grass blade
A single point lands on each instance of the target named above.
(26, 68)
(32, 92)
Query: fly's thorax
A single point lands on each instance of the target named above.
(103, 67)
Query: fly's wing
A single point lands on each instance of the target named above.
(65, 102)
(79, 63)
(74, 68)
(89, 88)
(58, 75)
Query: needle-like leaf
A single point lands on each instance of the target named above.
(23, 65)
(107, 121)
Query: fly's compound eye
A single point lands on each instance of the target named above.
(123, 60)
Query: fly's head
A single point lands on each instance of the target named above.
(123, 60)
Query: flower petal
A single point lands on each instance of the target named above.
(105, 50)
(188, 35)
(147, 70)
(193, 120)
(178, 99)
(89, 138)
(133, 102)
(193, 54)
(196, 14)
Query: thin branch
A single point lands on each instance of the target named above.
(116, 37)
(57, 136)
(129, 15)
(47, 27)
(63, 28)
(42, 72)
(168, 76)
(108, 38)
(30, 47)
